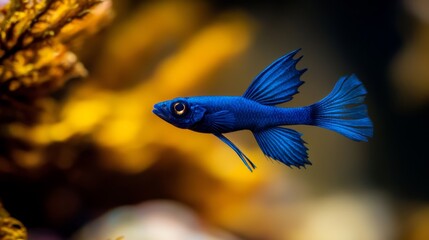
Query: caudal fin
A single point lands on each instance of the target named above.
(344, 111)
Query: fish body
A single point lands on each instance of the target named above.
(342, 111)
(239, 113)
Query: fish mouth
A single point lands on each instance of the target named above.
(159, 110)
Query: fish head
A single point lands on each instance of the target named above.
(179, 112)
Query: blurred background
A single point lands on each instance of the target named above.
(83, 157)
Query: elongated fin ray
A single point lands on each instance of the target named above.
(284, 145)
(277, 83)
(249, 164)
(344, 111)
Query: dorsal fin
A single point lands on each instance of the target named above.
(278, 82)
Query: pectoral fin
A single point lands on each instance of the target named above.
(243, 157)
(221, 121)
(284, 145)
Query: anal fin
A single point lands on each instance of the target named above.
(284, 145)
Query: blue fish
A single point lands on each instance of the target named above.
(342, 111)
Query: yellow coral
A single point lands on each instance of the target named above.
(35, 59)
(32, 40)
(10, 228)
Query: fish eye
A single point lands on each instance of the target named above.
(180, 108)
